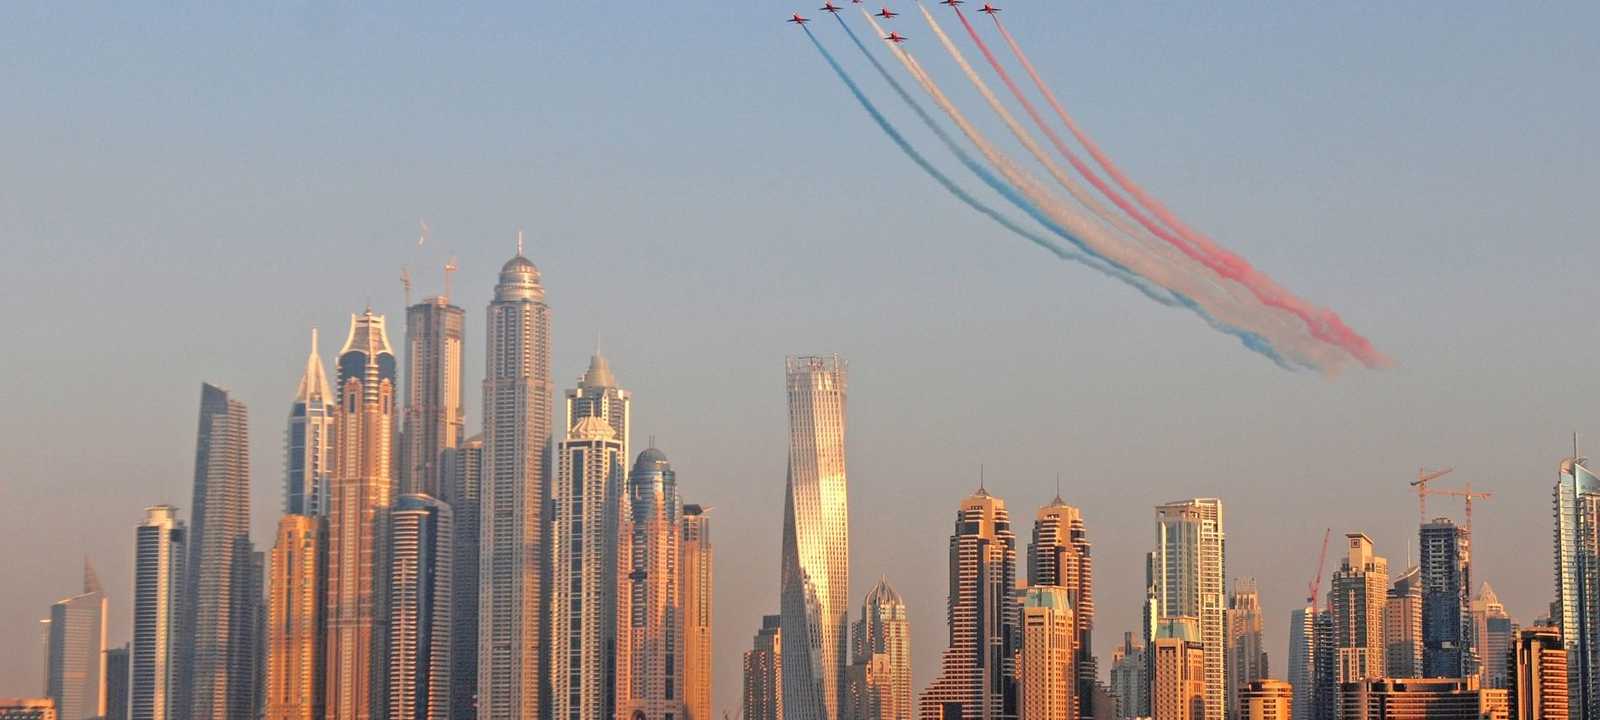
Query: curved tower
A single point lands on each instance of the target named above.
(815, 581)
(357, 611)
(516, 432)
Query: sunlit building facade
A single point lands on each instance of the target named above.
(1047, 660)
(295, 629)
(1178, 671)
(649, 617)
(1247, 653)
(1185, 577)
(159, 556)
(815, 578)
(76, 671)
(1402, 626)
(697, 590)
(517, 404)
(434, 418)
(763, 672)
(587, 501)
(1537, 679)
(1360, 590)
(1058, 555)
(977, 673)
(880, 667)
(357, 610)
(1577, 571)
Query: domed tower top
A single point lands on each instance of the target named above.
(519, 280)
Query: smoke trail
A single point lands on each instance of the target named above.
(1155, 293)
(1323, 324)
(1073, 228)
(1250, 340)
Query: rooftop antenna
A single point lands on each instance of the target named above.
(449, 269)
(981, 488)
(1058, 487)
(405, 282)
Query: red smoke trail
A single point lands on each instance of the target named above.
(1324, 324)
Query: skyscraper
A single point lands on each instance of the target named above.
(584, 571)
(815, 582)
(977, 672)
(763, 675)
(1047, 660)
(649, 617)
(1491, 638)
(517, 394)
(419, 608)
(881, 655)
(1186, 573)
(117, 683)
(1360, 589)
(1130, 680)
(308, 443)
(1302, 660)
(463, 473)
(1444, 562)
(1058, 555)
(1178, 662)
(1247, 654)
(434, 416)
(357, 607)
(1325, 680)
(597, 395)
(75, 677)
(697, 593)
(159, 556)
(218, 609)
(295, 622)
(1402, 626)
(1538, 677)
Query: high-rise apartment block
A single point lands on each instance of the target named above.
(462, 471)
(1247, 654)
(586, 503)
(1360, 589)
(434, 417)
(815, 573)
(1538, 676)
(880, 668)
(76, 671)
(420, 565)
(308, 441)
(977, 672)
(1046, 656)
(517, 403)
(355, 647)
(763, 675)
(649, 611)
(219, 609)
(159, 556)
(1444, 559)
(1059, 555)
(697, 593)
(1178, 664)
(1402, 626)
(1185, 580)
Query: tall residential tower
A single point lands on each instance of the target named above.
(1059, 556)
(585, 568)
(517, 396)
(977, 673)
(434, 418)
(159, 556)
(357, 608)
(1185, 577)
(308, 442)
(815, 581)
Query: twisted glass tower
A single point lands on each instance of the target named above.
(815, 580)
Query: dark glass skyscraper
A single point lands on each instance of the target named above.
(220, 612)
(1443, 569)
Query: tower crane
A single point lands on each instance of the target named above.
(449, 269)
(405, 282)
(1322, 562)
(1467, 495)
(1424, 476)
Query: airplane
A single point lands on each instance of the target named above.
(887, 14)
(987, 8)
(830, 7)
(951, 3)
(895, 38)
(799, 20)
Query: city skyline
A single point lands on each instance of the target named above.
(1096, 382)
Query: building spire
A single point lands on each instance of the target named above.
(519, 242)
(91, 581)
(314, 382)
(1058, 500)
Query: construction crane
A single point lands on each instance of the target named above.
(1322, 562)
(1425, 476)
(1467, 495)
(449, 269)
(405, 282)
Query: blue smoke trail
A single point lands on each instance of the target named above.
(1155, 292)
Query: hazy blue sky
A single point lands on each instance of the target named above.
(186, 190)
